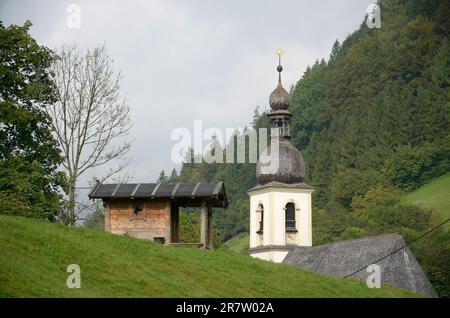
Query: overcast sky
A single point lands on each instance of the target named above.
(193, 59)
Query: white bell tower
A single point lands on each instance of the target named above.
(280, 204)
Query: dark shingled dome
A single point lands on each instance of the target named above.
(279, 99)
(291, 166)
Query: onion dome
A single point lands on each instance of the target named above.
(279, 99)
(280, 162)
(285, 164)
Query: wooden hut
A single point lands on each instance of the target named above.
(151, 210)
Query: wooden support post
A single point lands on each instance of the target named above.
(203, 224)
(107, 216)
(175, 222)
(210, 228)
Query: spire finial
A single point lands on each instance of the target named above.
(279, 99)
(279, 52)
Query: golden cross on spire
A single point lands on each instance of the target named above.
(279, 52)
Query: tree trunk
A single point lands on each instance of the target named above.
(71, 203)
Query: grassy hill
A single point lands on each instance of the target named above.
(434, 195)
(238, 243)
(35, 254)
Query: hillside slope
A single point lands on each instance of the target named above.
(238, 243)
(35, 256)
(434, 195)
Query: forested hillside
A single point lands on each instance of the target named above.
(377, 112)
(372, 122)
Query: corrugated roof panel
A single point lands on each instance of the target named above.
(185, 189)
(125, 190)
(205, 189)
(145, 190)
(165, 190)
(104, 190)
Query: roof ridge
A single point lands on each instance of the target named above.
(352, 240)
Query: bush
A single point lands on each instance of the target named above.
(25, 190)
(433, 254)
(96, 219)
(189, 227)
(415, 217)
(352, 182)
(380, 211)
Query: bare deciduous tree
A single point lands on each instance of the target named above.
(91, 117)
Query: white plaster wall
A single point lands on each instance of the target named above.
(274, 201)
(278, 220)
(292, 238)
(303, 214)
(255, 200)
(273, 256)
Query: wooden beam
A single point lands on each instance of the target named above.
(172, 195)
(115, 190)
(186, 244)
(155, 190)
(210, 227)
(177, 223)
(203, 224)
(135, 190)
(107, 216)
(195, 190)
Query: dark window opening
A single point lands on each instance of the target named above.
(138, 211)
(261, 219)
(290, 217)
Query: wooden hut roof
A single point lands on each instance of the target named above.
(189, 193)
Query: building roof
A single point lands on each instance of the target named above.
(280, 185)
(285, 165)
(214, 193)
(343, 258)
(279, 99)
(280, 161)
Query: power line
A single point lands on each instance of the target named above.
(399, 249)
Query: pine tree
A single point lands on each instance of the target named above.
(162, 176)
(173, 176)
(334, 52)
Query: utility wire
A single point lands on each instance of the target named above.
(399, 249)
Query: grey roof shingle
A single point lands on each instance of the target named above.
(345, 257)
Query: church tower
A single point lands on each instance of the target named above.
(280, 203)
